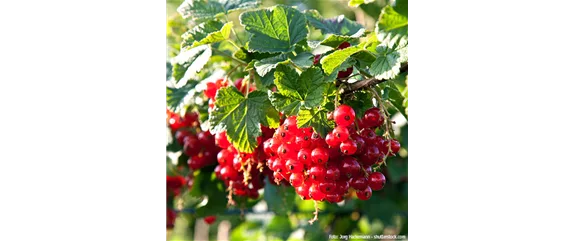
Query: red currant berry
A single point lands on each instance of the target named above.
(332, 173)
(205, 138)
(317, 172)
(316, 59)
(315, 192)
(371, 156)
(365, 194)
(319, 155)
(228, 173)
(345, 73)
(344, 115)
(303, 190)
(296, 179)
(171, 215)
(341, 133)
(373, 118)
(224, 157)
(304, 141)
(290, 125)
(332, 198)
(221, 140)
(331, 140)
(369, 135)
(359, 141)
(327, 187)
(344, 45)
(294, 166)
(348, 147)
(180, 135)
(304, 156)
(359, 182)
(342, 187)
(377, 181)
(395, 146)
(209, 219)
(211, 90)
(350, 167)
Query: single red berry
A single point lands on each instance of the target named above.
(319, 155)
(304, 141)
(290, 125)
(221, 140)
(344, 115)
(180, 135)
(205, 138)
(371, 156)
(317, 172)
(218, 171)
(315, 192)
(345, 73)
(394, 149)
(191, 119)
(332, 173)
(377, 181)
(303, 190)
(333, 198)
(170, 220)
(359, 183)
(373, 118)
(296, 179)
(211, 90)
(341, 133)
(350, 167)
(197, 162)
(327, 187)
(369, 135)
(209, 219)
(228, 173)
(348, 147)
(304, 156)
(344, 45)
(278, 165)
(294, 166)
(331, 140)
(365, 194)
(342, 187)
(359, 141)
(316, 59)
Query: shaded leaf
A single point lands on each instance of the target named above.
(339, 25)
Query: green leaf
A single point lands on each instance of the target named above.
(316, 119)
(187, 63)
(339, 25)
(275, 29)
(392, 21)
(335, 40)
(268, 79)
(387, 65)
(303, 60)
(234, 5)
(296, 92)
(356, 3)
(241, 117)
(361, 102)
(279, 199)
(279, 227)
(177, 98)
(200, 10)
(265, 66)
(207, 33)
(332, 61)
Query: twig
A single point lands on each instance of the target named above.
(367, 83)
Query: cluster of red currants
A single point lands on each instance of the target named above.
(242, 173)
(325, 169)
(198, 145)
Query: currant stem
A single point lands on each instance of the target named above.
(316, 213)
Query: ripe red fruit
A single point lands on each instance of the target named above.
(365, 194)
(228, 173)
(197, 162)
(342, 186)
(341, 133)
(209, 219)
(180, 135)
(373, 117)
(359, 183)
(328, 187)
(221, 140)
(359, 141)
(395, 146)
(369, 135)
(377, 181)
(296, 179)
(319, 155)
(345, 73)
(294, 166)
(331, 140)
(370, 156)
(170, 220)
(316, 59)
(348, 147)
(350, 166)
(344, 115)
(344, 45)
(290, 125)
(317, 173)
(211, 90)
(205, 138)
(304, 156)
(315, 192)
(303, 190)
(332, 173)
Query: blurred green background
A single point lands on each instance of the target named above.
(279, 214)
